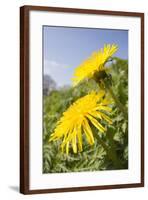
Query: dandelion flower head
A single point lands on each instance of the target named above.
(94, 64)
(77, 119)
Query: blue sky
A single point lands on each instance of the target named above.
(65, 48)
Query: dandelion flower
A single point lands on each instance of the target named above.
(76, 120)
(94, 64)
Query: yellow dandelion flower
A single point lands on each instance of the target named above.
(77, 118)
(95, 63)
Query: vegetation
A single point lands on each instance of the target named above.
(96, 157)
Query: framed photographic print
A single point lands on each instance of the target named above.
(81, 99)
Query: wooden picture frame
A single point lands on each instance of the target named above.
(25, 97)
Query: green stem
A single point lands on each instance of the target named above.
(118, 103)
(110, 152)
(120, 106)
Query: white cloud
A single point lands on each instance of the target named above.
(60, 72)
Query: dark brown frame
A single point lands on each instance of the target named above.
(24, 98)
